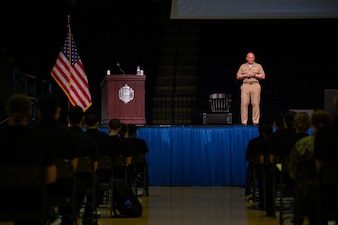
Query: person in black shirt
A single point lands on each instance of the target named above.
(140, 150)
(91, 125)
(65, 146)
(24, 146)
(253, 152)
(88, 147)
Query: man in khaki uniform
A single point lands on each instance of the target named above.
(251, 73)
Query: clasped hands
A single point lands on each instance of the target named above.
(250, 75)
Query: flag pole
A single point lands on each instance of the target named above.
(69, 73)
(69, 56)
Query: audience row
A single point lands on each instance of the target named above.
(286, 160)
(48, 140)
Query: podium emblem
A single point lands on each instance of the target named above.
(126, 94)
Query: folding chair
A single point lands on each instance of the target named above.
(105, 175)
(86, 174)
(327, 206)
(253, 176)
(23, 193)
(64, 193)
(120, 171)
(306, 180)
(284, 194)
(140, 175)
(120, 174)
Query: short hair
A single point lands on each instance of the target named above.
(265, 129)
(132, 128)
(90, 119)
(114, 123)
(320, 118)
(19, 107)
(289, 118)
(302, 122)
(48, 104)
(278, 120)
(123, 130)
(75, 114)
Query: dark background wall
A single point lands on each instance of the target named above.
(299, 56)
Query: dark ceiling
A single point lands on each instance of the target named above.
(34, 31)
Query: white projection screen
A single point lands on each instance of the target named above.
(253, 9)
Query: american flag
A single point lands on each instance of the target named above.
(69, 74)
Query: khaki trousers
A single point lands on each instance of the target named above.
(250, 94)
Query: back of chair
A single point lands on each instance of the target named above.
(105, 162)
(120, 167)
(140, 174)
(30, 175)
(105, 168)
(328, 175)
(63, 192)
(65, 169)
(22, 193)
(327, 190)
(105, 173)
(86, 174)
(85, 165)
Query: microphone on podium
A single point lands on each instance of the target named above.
(118, 66)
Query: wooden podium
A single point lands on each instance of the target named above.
(123, 97)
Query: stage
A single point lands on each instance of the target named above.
(202, 155)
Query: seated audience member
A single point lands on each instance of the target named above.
(91, 124)
(301, 151)
(302, 125)
(325, 153)
(87, 144)
(304, 147)
(57, 134)
(139, 149)
(65, 146)
(141, 144)
(253, 152)
(88, 147)
(326, 141)
(24, 147)
(124, 130)
(272, 147)
(118, 144)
